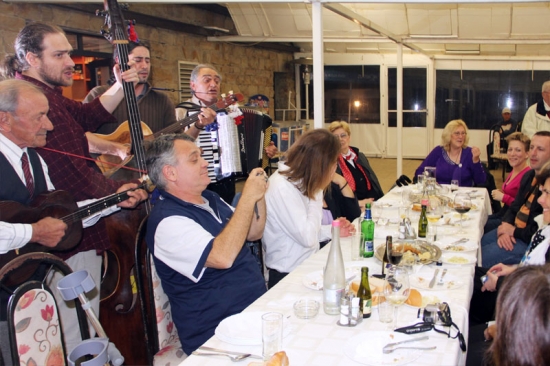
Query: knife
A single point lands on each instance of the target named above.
(432, 282)
(210, 349)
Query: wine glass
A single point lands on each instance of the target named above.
(395, 253)
(462, 204)
(433, 212)
(396, 289)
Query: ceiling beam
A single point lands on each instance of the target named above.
(362, 21)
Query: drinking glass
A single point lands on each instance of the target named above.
(376, 211)
(431, 233)
(433, 212)
(395, 253)
(430, 171)
(383, 218)
(272, 334)
(454, 185)
(462, 204)
(405, 196)
(420, 181)
(396, 289)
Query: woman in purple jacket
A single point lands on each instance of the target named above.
(453, 159)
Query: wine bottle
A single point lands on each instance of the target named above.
(387, 250)
(365, 304)
(334, 280)
(423, 221)
(367, 229)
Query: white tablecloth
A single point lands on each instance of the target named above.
(320, 341)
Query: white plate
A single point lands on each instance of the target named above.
(452, 258)
(366, 348)
(245, 329)
(314, 280)
(422, 281)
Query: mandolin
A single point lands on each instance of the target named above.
(57, 204)
(122, 133)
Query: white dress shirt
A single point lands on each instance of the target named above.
(15, 236)
(293, 227)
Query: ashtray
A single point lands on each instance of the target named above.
(306, 308)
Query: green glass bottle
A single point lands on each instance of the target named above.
(367, 229)
(364, 294)
(423, 221)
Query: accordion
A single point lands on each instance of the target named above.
(236, 148)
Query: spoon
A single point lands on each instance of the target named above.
(234, 358)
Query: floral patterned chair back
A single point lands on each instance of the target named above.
(34, 328)
(157, 315)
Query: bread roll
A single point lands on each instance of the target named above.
(376, 285)
(415, 298)
(278, 359)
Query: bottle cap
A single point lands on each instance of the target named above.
(425, 202)
(336, 223)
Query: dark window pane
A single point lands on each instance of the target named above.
(410, 119)
(414, 89)
(96, 44)
(479, 96)
(352, 93)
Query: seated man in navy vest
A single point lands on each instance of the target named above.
(197, 239)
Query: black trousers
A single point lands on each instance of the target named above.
(482, 304)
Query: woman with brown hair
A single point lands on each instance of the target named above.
(294, 199)
(522, 329)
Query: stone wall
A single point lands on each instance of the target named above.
(244, 69)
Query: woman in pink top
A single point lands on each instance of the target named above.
(518, 152)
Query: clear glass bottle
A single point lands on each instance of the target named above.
(334, 278)
(364, 293)
(367, 229)
(387, 251)
(423, 221)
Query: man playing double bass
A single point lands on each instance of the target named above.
(155, 108)
(24, 125)
(42, 57)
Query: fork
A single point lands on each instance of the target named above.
(234, 358)
(440, 282)
(390, 350)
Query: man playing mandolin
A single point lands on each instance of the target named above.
(24, 125)
(42, 57)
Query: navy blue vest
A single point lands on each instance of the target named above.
(12, 188)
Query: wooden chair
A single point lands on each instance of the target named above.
(34, 326)
(161, 334)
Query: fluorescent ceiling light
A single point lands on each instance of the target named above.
(462, 52)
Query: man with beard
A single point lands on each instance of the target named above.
(42, 57)
(155, 108)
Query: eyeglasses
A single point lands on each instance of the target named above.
(342, 136)
(459, 133)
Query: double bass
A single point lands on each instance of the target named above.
(120, 310)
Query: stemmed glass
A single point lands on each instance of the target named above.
(462, 204)
(396, 289)
(395, 253)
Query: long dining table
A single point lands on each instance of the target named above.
(321, 341)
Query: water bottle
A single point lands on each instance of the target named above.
(334, 278)
(367, 229)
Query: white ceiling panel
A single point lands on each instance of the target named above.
(503, 28)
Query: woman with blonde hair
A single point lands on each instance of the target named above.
(453, 159)
(354, 166)
(294, 200)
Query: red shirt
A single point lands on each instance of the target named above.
(80, 177)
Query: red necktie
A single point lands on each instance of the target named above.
(349, 157)
(27, 173)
